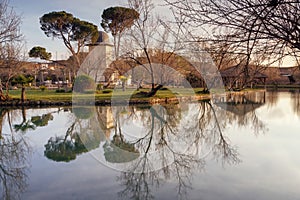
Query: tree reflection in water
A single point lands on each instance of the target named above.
(178, 140)
(81, 136)
(295, 97)
(34, 122)
(163, 142)
(14, 159)
(183, 137)
(241, 110)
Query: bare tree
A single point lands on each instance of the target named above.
(147, 39)
(266, 29)
(12, 60)
(9, 23)
(272, 25)
(9, 36)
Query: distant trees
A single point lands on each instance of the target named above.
(39, 52)
(116, 20)
(74, 32)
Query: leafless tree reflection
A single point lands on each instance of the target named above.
(272, 98)
(295, 101)
(177, 140)
(14, 161)
(152, 144)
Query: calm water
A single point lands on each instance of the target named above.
(236, 148)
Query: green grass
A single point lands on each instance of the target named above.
(52, 95)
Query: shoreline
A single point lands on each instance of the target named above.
(16, 103)
(106, 102)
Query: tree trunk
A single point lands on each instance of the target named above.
(7, 89)
(23, 115)
(23, 96)
(123, 86)
(2, 97)
(2, 115)
(154, 90)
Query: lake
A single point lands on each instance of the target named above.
(235, 147)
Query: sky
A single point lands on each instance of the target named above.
(88, 10)
(32, 10)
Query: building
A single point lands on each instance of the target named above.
(235, 77)
(99, 58)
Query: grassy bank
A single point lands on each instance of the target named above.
(52, 95)
(291, 86)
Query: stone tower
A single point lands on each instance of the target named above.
(100, 56)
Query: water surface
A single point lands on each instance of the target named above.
(242, 147)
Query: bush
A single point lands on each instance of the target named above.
(99, 86)
(83, 112)
(60, 91)
(163, 89)
(106, 91)
(43, 88)
(83, 83)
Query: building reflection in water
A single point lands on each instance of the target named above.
(241, 108)
(106, 119)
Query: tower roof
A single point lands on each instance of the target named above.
(103, 37)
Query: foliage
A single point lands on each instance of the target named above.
(41, 120)
(107, 91)
(120, 151)
(24, 126)
(63, 25)
(117, 19)
(83, 112)
(59, 150)
(83, 83)
(23, 80)
(194, 80)
(74, 32)
(60, 91)
(39, 52)
(43, 88)
(99, 86)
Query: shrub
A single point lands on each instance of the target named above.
(83, 83)
(83, 112)
(60, 91)
(43, 88)
(106, 91)
(99, 86)
(163, 89)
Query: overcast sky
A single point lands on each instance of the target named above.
(32, 10)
